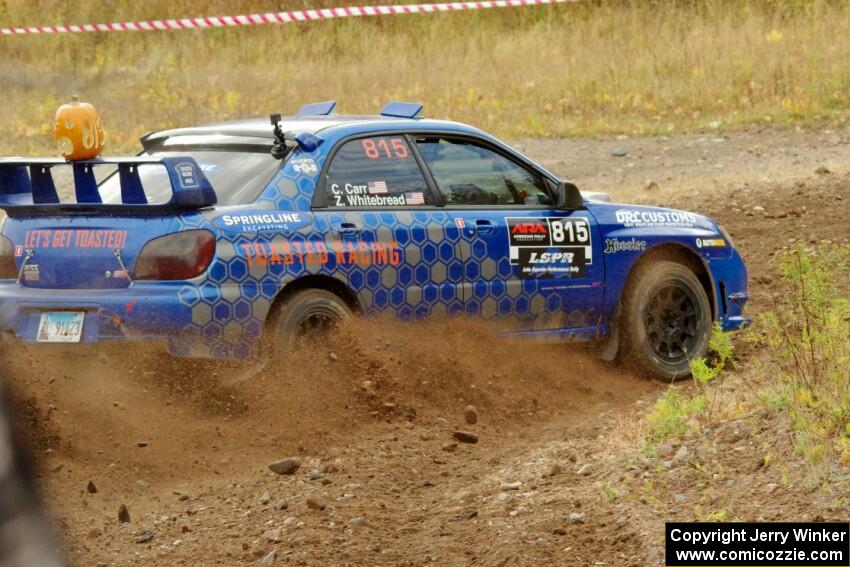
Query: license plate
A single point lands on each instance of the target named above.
(61, 327)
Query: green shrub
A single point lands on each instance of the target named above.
(676, 413)
(808, 339)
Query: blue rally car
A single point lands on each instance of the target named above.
(219, 235)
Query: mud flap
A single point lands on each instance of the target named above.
(611, 346)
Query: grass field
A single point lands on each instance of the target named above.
(598, 67)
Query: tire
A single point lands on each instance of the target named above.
(307, 314)
(666, 321)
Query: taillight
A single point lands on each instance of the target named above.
(8, 268)
(178, 256)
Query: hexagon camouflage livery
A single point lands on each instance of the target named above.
(393, 243)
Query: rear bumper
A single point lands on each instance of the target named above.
(188, 316)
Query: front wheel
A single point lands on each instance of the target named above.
(306, 315)
(666, 320)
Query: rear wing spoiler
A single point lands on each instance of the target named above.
(27, 186)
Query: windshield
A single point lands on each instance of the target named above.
(237, 176)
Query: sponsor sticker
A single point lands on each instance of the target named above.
(73, 238)
(208, 167)
(187, 174)
(305, 165)
(549, 247)
(260, 220)
(19, 251)
(710, 243)
(319, 253)
(631, 218)
(31, 273)
(614, 245)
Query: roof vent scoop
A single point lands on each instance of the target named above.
(317, 108)
(402, 109)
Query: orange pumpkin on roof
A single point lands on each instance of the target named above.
(78, 131)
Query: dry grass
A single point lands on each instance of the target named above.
(592, 68)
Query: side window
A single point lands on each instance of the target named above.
(375, 172)
(468, 173)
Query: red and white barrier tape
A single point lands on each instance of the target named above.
(279, 17)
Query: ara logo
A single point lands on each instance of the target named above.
(525, 231)
(528, 228)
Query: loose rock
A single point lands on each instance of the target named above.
(265, 497)
(123, 514)
(273, 536)
(145, 537)
(316, 503)
(576, 517)
(620, 152)
(822, 170)
(554, 470)
(559, 531)
(584, 470)
(450, 447)
(664, 451)
(679, 498)
(270, 558)
(281, 505)
(466, 437)
(651, 185)
(286, 466)
(91, 488)
(358, 521)
(470, 415)
(510, 486)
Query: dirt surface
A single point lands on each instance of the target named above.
(556, 477)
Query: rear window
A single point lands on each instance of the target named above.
(237, 177)
(378, 172)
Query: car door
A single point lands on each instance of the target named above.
(526, 260)
(390, 241)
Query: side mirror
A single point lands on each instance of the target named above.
(568, 196)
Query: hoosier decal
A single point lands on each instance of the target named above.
(549, 247)
(614, 245)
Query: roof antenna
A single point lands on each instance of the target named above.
(281, 148)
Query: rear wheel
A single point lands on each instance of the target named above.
(308, 314)
(666, 320)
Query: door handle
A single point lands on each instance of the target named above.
(347, 230)
(484, 226)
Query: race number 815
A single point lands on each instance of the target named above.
(570, 231)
